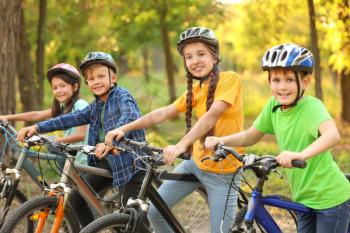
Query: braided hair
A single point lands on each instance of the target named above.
(213, 76)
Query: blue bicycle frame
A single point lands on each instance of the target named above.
(257, 211)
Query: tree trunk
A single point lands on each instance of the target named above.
(40, 52)
(145, 56)
(9, 33)
(26, 81)
(315, 50)
(345, 96)
(169, 63)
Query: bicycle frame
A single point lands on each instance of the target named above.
(149, 191)
(256, 210)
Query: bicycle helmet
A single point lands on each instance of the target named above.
(288, 56)
(65, 68)
(98, 58)
(292, 57)
(197, 34)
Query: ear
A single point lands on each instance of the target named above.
(114, 77)
(306, 80)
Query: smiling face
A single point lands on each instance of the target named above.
(62, 90)
(98, 80)
(283, 84)
(198, 59)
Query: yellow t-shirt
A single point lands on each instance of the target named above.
(228, 89)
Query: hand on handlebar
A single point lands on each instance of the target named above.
(170, 153)
(102, 150)
(115, 134)
(285, 158)
(211, 142)
(27, 131)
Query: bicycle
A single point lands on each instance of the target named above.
(60, 191)
(35, 213)
(10, 196)
(134, 216)
(255, 216)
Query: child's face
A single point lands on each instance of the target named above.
(198, 59)
(62, 90)
(97, 78)
(284, 87)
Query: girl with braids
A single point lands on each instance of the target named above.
(65, 84)
(216, 98)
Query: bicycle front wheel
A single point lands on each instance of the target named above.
(113, 223)
(7, 206)
(33, 210)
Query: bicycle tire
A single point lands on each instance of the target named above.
(27, 212)
(5, 208)
(285, 219)
(116, 222)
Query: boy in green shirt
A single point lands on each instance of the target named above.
(304, 130)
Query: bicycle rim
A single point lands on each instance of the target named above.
(33, 211)
(111, 223)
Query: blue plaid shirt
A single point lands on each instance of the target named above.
(120, 109)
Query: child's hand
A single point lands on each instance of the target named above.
(170, 153)
(286, 157)
(102, 150)
(116, 134)
(3, 119)
(211, 142)
(27, 131)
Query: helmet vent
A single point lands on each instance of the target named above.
(284, 55)
(267, 56)
(274, 55)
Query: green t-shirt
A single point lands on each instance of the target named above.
(321, 184)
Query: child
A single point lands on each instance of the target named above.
(65, 84)
(113, 107)
(304, 130)
(218, 104)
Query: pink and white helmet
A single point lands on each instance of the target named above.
(65, 68)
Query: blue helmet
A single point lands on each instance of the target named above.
(288, 56)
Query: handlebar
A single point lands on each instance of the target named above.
(249, 160)
(156, 152)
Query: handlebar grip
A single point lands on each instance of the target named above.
(299, 163)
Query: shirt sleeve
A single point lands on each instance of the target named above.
(229, 88)
(128, 110)
(66, 121)
(315, 120)
(263, 122)
(80, 104)
(180, 103)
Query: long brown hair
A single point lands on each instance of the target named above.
(56, 108)
(214, 78)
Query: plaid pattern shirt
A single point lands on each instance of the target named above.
(120, 109)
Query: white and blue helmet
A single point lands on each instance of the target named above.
(288, 56)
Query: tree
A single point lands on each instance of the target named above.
(26, 80)
(40, 52)
(160, 22)
(315, 50)
(9, 33)
(336, 24)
